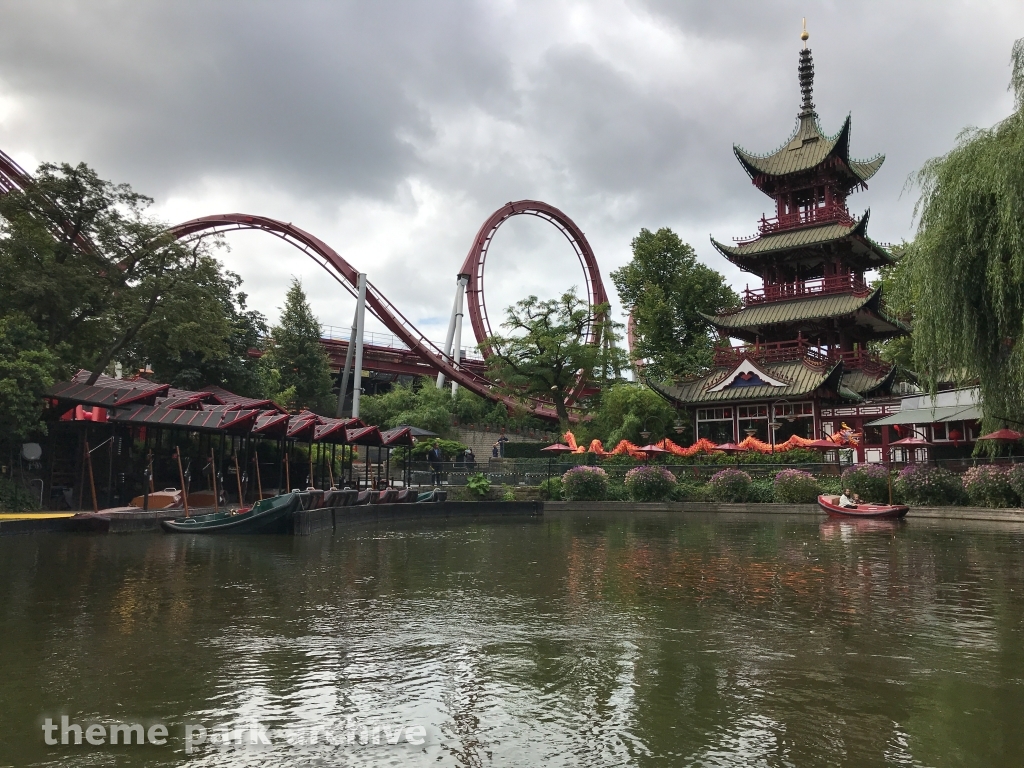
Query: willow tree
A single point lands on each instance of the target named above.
(967, 262)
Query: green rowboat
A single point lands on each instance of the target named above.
(267, 516)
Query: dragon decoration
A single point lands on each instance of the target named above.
(845, 437)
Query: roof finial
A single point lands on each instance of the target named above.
(805, 71)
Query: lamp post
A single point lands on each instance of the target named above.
(773, 424)
(645, 434)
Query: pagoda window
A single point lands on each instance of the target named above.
(716, 424)
(753, 421)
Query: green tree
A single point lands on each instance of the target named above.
(967, 261)
(97, 276)
(666, 290)
(297, 371)
(164, 345)
(898, 293)
(27, 368)
(627, 409)
(546, 350)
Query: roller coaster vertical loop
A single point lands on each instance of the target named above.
(477, 257)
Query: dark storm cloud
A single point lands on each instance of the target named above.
(400, 126)
(316, 96)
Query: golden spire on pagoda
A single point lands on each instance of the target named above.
(804, 35)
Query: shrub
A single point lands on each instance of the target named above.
(730, 485)
(1016, 475)
(794, 486)
(551, 489)
(16, 498)
(585, 484)
(930, 486)
(478, 485)
(507, 493)
(761, 491)
(649, 483)
(869, 481)
(690, 490)
(989, 486)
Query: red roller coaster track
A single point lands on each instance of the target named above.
(13, 178)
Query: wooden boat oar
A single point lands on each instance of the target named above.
(181, 476)
(213, 479)
(259, 481)
(92, 478)
(238, 478)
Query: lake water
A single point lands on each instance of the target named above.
(572, 640)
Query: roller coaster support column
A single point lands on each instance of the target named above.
(357, 370)
(343, 388)
(454, 323)
(457, 342)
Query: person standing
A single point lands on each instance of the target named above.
(434, 458)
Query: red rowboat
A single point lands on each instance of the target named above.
(831, 505)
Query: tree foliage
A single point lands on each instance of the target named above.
(101, 279)
(898, 292)
(666, 289)
(628, 409)
(545, 349)
(967, 261)
(27, 368)
(295, 367)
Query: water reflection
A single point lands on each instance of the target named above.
(597, 640)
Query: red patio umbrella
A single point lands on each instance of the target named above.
(1003, 435)
(553, 449)
(821, 445)
(911, 442)
(557, 448)
(730, 448)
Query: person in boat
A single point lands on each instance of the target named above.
(848, 500)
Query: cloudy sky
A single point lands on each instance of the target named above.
(391, 130)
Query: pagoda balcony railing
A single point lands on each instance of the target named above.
(824, 214)
(800, 349)
(822, 286)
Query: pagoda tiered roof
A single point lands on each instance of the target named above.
(807, 316)
(808, 247)
(807, 150)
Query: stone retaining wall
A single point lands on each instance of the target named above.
(941, 513)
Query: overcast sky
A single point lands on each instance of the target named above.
(391, 130)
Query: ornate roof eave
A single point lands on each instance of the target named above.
(758, 167)
(859, 228)
(870, 303)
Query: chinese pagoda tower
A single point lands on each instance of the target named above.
(803, 367)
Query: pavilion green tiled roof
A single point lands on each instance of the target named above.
(801, 379)
(776, 312)
(864, 383)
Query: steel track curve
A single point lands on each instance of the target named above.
(376, 302)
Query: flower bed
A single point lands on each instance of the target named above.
(989, 486)
(928, 486)
(794, 486)
(730, 485)
(649, 483)
(869, 481)
(585, 484)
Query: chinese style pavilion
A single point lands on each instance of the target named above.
(803, 367)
